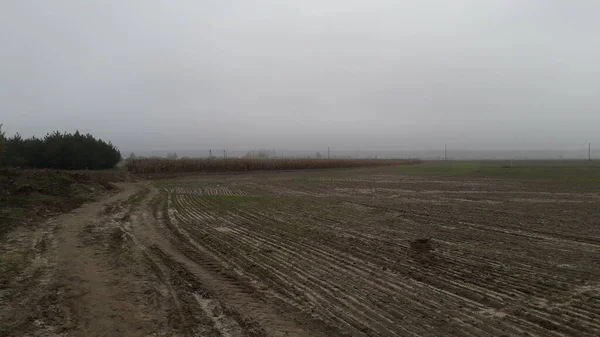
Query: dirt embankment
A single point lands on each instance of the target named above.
(30, 196)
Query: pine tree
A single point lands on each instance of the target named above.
(2, 149)
(60, 151)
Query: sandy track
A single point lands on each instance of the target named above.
(97, 297)
(75, 289)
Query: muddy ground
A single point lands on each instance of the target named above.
(369, 252)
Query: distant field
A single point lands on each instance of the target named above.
(564, 170)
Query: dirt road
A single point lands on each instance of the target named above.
(102, 300)
(68, 267)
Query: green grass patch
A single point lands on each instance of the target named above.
(566, 171)
(239, 199)
(226, 203)
(442, 169)
(138, 197)
(168, 183)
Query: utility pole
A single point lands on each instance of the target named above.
(445, 152)
(590, 151)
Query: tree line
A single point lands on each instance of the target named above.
(67, 151)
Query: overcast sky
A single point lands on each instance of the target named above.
(169, 75)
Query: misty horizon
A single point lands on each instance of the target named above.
(381, 77)
(453, 154)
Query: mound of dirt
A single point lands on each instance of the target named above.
(421, 245)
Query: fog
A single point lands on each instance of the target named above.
(378, 75)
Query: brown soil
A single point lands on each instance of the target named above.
(357, 253)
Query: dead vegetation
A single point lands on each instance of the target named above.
(162, 165)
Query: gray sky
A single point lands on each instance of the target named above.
(181, 75)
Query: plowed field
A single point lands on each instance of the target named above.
(360, 252)
(507, 257)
